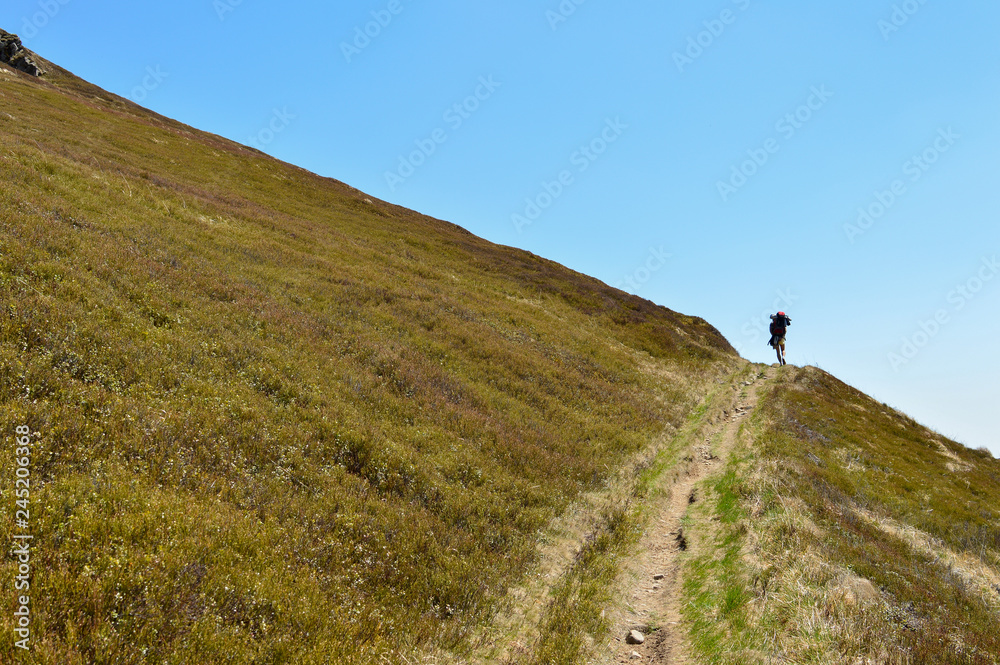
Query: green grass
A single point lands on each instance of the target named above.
(279, 423)
(715, 584)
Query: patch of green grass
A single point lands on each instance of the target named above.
(715, 583)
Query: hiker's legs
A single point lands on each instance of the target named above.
(777, 350)
(781, 353)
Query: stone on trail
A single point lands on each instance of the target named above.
(635, 637)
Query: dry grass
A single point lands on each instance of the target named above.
(975, 573)
(858, 537)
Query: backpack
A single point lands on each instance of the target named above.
(779, 323)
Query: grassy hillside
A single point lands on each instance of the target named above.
(848, 534)
(275, 421)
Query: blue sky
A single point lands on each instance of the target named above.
(714, 157)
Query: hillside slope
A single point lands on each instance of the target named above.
(273, 420)
(882, 535)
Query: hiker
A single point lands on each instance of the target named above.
(779, 323)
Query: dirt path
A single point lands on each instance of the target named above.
(654, 599)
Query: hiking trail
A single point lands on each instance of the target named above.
(653, 584)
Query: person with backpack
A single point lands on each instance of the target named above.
(779, 324)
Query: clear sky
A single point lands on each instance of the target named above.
(835, 160)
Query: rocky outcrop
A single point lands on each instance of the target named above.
(15, 55)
